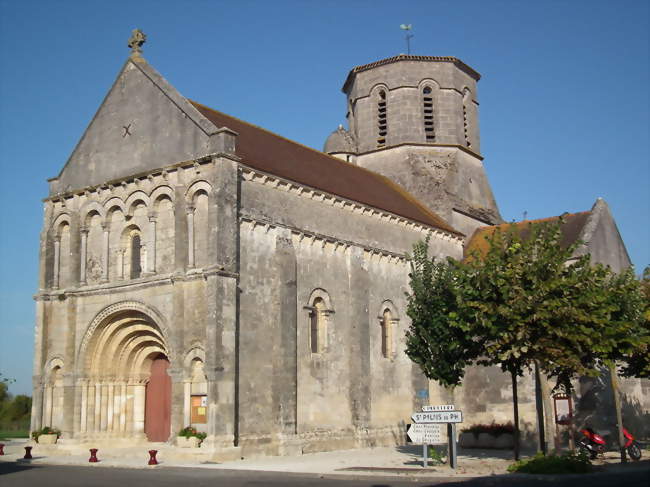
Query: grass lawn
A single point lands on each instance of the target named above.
(5, 435)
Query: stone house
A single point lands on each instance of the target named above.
(196, 269)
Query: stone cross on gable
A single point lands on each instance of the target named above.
(136, 40)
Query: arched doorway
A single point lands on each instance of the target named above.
(158, 406)
(123, 372)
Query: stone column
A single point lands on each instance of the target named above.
(122, 407)
(110, 406)
(78, 418)
(190, 236)
(187, 403)
(359, 338)
(151, 255)
(105, 251)
(84, 252)
(39, 353)
(178, 389)
(57, 260)
(98, 407)
(130, 394)
(37, 403)
(103, 411)
(83, 419)
(138, 409)
(70, 397)
(120, 264)
(180, 231)
(90, 408)
(47, 410)
(222, 325)
(285, 378)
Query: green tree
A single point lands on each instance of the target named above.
(525, 300)
(438, 340)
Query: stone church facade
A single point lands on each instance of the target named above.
(198, 270)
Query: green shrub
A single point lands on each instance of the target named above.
(46, 430)
(436, 455)
(189, 432)
(494, 429)
(553, 464)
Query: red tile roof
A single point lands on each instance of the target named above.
(273, 154)
(571, 230)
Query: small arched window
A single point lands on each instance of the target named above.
(386, 334)
(136, 257)
(427, 114)
(317, 324)
(382, 119)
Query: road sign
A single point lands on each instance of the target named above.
(438, 417)
(442, 407)
(426, 434)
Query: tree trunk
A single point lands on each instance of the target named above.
(515, 410)
(551, 437)
(619, 415)
(539, 398)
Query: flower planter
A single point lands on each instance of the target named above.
(191, 442)
(467, 440)
(47, 439)
(486, 440)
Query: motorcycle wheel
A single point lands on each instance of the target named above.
(634, 451)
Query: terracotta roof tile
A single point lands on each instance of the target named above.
(571, 230)
(408, 57)
(271, 153)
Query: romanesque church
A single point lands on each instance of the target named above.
(199, 270)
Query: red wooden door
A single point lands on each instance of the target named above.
(158, 398)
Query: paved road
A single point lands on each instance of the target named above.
(23, 475)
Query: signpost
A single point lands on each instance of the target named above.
(428, 429)
(428, 434)
(438, 417)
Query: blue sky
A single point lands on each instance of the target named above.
(563, 98)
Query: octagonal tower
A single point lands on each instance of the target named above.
(414, 119)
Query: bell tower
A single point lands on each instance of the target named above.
(414, 119)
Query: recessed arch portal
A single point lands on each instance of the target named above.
(123, 355)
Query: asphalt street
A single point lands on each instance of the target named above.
(25, 475)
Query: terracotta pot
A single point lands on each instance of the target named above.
(47, 439)
(191, 442)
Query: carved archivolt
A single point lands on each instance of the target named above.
(129, 329)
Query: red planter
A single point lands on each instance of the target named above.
(152, 457)
(93, 455)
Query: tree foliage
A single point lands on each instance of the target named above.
(439, 339)
(526, 298)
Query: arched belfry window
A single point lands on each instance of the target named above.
(427, 114)
(466, 120)
(382, 119)
(320, 310)
(136, 256)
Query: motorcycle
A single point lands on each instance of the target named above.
(594, 444)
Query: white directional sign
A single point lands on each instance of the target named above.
(438, 417)
(441, 407)
(425, 434)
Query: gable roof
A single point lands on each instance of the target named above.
(572, 230)
(276, 155)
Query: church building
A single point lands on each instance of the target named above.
(199, 270)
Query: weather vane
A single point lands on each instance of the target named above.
(135, 42)
(408, 35)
